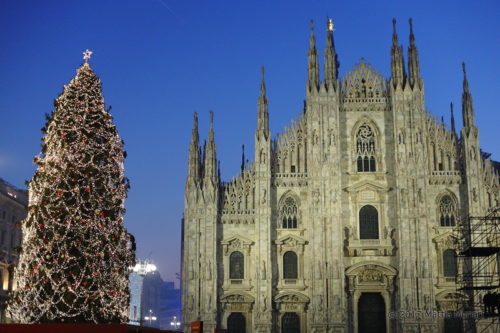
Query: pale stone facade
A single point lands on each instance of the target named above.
(13, 206)
(364, 188)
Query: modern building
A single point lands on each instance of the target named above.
(145, 285)
(344, 222)
(13, 206)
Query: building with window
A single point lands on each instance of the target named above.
(13, 205)
(343, 218)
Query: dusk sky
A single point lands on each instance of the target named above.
(161, 60)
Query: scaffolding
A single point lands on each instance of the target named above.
(478, 278)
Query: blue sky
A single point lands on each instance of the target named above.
(161, 60)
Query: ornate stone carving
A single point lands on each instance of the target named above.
(236, 243)
(262, 270)
(363, 82)
(370, 275)
(208, 273)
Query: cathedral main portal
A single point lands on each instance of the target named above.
(371, 313)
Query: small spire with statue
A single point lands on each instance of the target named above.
(330, 25)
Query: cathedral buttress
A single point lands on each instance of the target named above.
(471, 154)
(208, 235)
(413, 62)
(398, 74)
(411, 180)
(191, 228)
(331, 61)
(263, 226)
(312, 86)
(452, 120)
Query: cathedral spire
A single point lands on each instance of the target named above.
(312, 64)
(467, 108)
(413, 63)
(242, 158)
(452, 119)
(397, 61)
(210, 156)
(331, 61)
(194, 152)
(262, 114)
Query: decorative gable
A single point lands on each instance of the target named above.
(236, 243)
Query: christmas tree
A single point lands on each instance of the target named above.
(76, 253)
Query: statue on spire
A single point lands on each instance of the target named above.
(331, 27)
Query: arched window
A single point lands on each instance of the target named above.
(290, 265)
(447, 211)
(236, 261)
(365, 149)
(288, 213)
(368, 222)
(449, 263)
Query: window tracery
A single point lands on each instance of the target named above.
(365, 149)
(288, 213)
(447, 211)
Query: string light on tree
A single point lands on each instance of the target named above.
(76, 253)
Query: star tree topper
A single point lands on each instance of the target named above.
(86, 55)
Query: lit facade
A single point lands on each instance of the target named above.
(345, 218)
(13, 205)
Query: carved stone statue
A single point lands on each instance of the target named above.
(335, 269)
(191, 303)
(208, 273)
(262, 270)
(427, 302)
(319, 302)
(406, 273)
(336, 303)
(319, 270)
(191, 271)
(263, 306)
(407, 302)
(209, 302)
(263, 198)
(425, 269)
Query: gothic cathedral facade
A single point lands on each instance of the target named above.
(343, 220)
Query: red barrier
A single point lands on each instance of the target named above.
(78, 328)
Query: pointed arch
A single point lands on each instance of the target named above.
(447, 209)
(288, 217)
(366, 145)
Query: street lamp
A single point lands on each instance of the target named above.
(150, 317)
(175, 323)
